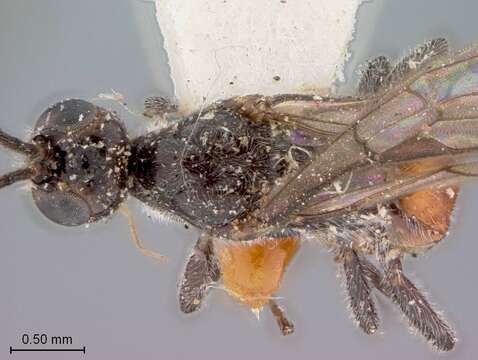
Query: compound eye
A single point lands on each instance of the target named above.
(62, 207)
(66, 115)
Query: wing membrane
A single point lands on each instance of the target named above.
(434, 109)
(384, 191)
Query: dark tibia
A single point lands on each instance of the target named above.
(201, 270)
(205, 244)
(413, 304)
(285, 326)
(416, 308)
(358, 290)
(379, 74)
(14, 176)
(373, 274)
(418, 57)
(12, 143)
(375, 76)
(158, 106)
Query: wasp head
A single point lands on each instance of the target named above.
(77, 162)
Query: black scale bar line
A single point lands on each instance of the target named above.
(83, 350)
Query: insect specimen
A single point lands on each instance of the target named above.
(374, 177)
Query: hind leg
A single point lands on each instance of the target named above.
(358, 290)
(158, 107)
(420, 314)
(201, 271)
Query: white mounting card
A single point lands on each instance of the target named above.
(221, 48)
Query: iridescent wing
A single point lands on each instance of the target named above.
(425, 113)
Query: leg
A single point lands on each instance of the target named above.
(157, 106)
(136, 240)
(255, 107)
(418, 57)
(14, 176)
(379, 73)
(119, 99)
(201, 270)
(375, 77)
(285, 326)
(358, 290)
(416, 308)
(15, 144)
(421, 316)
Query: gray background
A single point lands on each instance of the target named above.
(92, 284)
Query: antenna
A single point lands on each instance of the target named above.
(15, 144)
(14, 176)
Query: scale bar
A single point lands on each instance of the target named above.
(83, 350)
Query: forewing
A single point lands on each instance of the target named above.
(430, 123)
(431, 114)
(437, 105)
